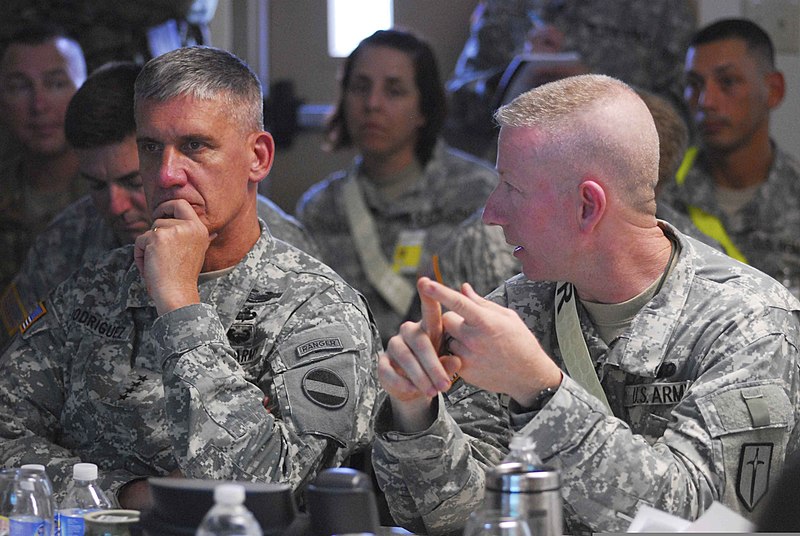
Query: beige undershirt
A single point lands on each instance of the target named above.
(730, 201)
(612, 319)
(205, 277)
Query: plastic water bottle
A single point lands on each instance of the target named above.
(8, 479)
(522, 449)
(48, 484)
(33, 511)
(84, 496)
(229, 516)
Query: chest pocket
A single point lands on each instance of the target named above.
(650, 406)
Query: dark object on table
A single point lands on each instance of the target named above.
(342, 501)
(179, 505)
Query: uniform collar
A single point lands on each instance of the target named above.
(655, 323)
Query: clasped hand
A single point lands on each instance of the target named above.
(486, 344)
(170, 255)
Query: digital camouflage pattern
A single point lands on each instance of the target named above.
(270, 378)
(453, 186)
(641, 43)
(704, 390)
(25, 213)
(767, 229)
(79, 234)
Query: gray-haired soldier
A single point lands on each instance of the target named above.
(648, 367)
(207, 349)
(101, 129)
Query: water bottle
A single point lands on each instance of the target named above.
(229, 516)
(83, 497)
(522, 449)
(33, 511)
(8, 479)
(48, 484)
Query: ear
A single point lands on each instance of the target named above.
(592, 205)
(263, 154)
(776, 86)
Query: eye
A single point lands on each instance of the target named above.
(95, 185)
(132, 183)
(148, 147)
(194, 145)
(358, 87)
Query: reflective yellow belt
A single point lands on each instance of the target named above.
(705, 222)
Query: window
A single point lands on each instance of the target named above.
(350, 21)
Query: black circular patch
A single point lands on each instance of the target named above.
(325, 388)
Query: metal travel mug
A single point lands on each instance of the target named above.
(531, 492)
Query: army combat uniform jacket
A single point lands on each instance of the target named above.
(703, 386)
(767, 229)
(270, 378)
(452, 187)
(79, 234)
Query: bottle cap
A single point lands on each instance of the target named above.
(84, 471)
(33, 467)
(229, 494)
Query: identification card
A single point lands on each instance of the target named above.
(408, 252)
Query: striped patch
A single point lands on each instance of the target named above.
(325, 388)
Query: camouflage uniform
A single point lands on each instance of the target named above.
(767, 229)
(24, 214)
(453, 187)
(79, 234)
(641, 43)
(270, 378)
(703, 387)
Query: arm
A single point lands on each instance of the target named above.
(219, 425)
(608, 471)
(33, 374)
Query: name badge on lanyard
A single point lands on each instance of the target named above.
(408, 252)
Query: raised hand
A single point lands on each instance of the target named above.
(170, 256)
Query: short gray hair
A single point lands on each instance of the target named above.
(204, 73)
(594, 124)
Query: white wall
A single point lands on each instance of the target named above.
(784, 121)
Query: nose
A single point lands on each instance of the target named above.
(171, 171)
(708, 97)
(119, 199)
(373, 99)
(39, 99)
(492, 213)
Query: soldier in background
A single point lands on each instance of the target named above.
(207, 349)
(738, 185)
(641, 43)
(40, 69)
(647, 367)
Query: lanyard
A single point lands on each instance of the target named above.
(394, 288)
(572, 344)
